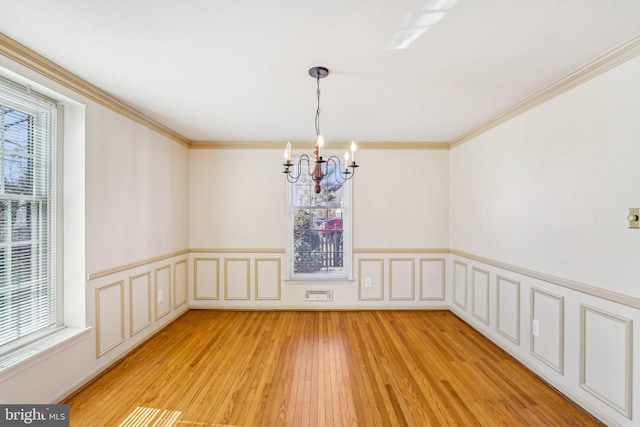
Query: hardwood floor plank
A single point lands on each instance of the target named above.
(365, 368)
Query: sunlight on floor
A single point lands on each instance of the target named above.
(154, 417)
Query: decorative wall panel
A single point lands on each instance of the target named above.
(236, 279)
(508, 308)
(206, 279)
(268, 278)
(480, 291)
(162, 294)
(548, 311)
(371, 279)
(179, 283)
(460, 284)
(139, 302)
(109, 317)
(432, 279)
(401, 279)
(606, 357)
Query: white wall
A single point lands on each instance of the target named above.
(549, 190)
(538, 209)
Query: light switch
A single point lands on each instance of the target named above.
(634, 218)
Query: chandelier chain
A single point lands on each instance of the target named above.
(318, 109)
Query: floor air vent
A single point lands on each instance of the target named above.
(319, 296)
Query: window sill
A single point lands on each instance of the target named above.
(37, 351)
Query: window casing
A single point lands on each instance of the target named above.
(320, 228)
(28, 286)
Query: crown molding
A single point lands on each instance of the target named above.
(598, 66)
(38, 63)
(270, 145)
(425, 145)
(238, 145)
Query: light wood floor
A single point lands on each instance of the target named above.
(366, 368)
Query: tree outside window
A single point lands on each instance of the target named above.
(319, 224)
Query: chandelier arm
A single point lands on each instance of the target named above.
(293, 177)
(337, 167)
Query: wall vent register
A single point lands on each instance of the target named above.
(319, 296)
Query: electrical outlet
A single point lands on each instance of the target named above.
(367, 282)
(536, 328)
(160, 296)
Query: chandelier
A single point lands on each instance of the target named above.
(321, 166)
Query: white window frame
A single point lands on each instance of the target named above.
(23, 99)
(346, 274)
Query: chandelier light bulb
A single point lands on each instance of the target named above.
(320, 145)
(287, 152)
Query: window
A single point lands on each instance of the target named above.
(320, 227)
(28, 285)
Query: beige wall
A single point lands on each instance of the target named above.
(137, 198)
(237, 199)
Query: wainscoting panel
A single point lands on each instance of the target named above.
(371, 279)
(480, 294)
(401, 282)
(206, 278)
(606, 356)
(508, 308)
(139, 302)
(110, 313)
(585, 344)
(128, 307)
(548, 311)
(432, 279)
(236, 279)
(460, 284)
(162, 294)
(180, 283)
(268, 278)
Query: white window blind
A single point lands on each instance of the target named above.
(27, 215)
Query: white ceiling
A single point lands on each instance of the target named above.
(217, 70)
